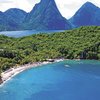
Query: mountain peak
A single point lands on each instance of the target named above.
(88, 7)
(46, 16)
(14, 10)
(89, 4)
(87, 15)
(47, 0)
(43, 2)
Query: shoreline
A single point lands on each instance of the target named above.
(10, 73)
(7, 75)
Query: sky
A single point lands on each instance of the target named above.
(66, 7)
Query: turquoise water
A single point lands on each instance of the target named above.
(17, 34)
(67, 80)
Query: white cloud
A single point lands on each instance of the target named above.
(5, 1)
(69, 7)
(26, 5)
(66, 7)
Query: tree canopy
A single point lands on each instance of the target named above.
(81, 43)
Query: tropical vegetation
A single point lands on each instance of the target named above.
(81, 43)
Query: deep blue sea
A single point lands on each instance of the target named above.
(67, 80)
(17, 34)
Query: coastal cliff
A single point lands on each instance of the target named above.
(1, 81)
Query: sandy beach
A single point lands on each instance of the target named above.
(7, 75)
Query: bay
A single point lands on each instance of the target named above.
(17, 34)
(67, 80)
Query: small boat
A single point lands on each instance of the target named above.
(67, 66)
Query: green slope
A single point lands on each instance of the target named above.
(81, 43)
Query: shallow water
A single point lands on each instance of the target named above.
(17, 34)
(67, 80)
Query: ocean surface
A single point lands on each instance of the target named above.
(67, 80)
(17, 34)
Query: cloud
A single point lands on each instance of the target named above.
(26, 5)
(33, 1)
(69, 7)
(6, 1)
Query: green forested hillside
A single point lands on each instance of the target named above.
(79, 43)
